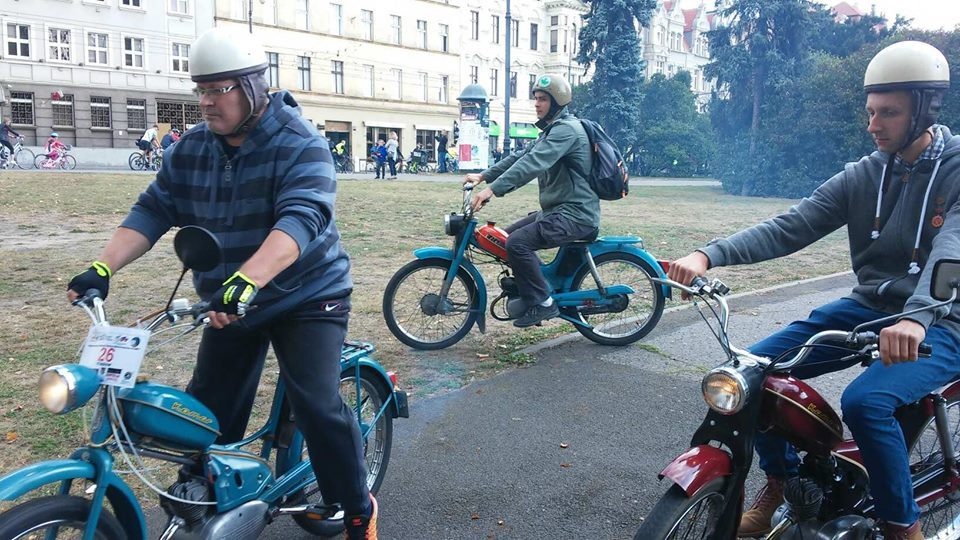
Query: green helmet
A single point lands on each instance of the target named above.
(556, 87)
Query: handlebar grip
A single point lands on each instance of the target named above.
(925, 350)
(698, 282)
(92, 293)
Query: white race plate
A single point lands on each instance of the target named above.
(116, 352)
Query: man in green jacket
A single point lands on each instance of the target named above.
(570, 210)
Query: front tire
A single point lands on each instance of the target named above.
(644, 307)
(366, 399)
(678, 516)
(68, 163)
(53, 515)
(411, 301)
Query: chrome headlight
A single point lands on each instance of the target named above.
(452, 224)
(66, 387)
(725, 390)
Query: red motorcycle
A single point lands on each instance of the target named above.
(830, 499)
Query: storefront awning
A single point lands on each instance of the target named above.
(523, 131)
(431, 127)
(494, 129)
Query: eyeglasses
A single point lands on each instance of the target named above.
(214, 92)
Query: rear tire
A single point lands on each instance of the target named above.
(25, 158)
(678, 516)
(645, 305)
(406, 305)
(939, 518)
(53, 514)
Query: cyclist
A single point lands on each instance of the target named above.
(54, 146)
(148, 142)
(5, 132)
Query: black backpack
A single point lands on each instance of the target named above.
(608, 175)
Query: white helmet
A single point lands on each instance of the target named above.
(220, 54)
(918, 68)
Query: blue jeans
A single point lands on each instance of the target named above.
(867, 403)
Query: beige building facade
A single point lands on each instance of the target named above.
(675, 41)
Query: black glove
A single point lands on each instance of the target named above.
(95, 277)
(235, 296)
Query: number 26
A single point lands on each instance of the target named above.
(106, 355)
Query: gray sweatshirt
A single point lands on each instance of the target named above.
(883, 264)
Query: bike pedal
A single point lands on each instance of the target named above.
(320, 512)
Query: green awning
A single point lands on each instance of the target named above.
(494, 129)
(523, 131)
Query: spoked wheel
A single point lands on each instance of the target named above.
(68, 163)
(59, 516)
(631, 317)
(137, 162)
(40, 160)
(25, 158)
(414, 311)
(677, 516)
(939, 518)
(367, 400)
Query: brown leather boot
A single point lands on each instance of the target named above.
(755, 522)
(899, 532)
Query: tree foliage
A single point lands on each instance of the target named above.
(610, 42)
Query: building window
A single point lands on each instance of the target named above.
(21, 108)
(180, 55)
(444, 89)
(474, 74)
(397, 77)
(533, 81)
(180, 6)
(368, 81)
(178, 113)
(474, 25)
(130, 3)
(273, 69)
(554, 34)
(424, 87)
(303, 67)
(495, 28)
(136, 114)
(62, 111)
(100, 112)
(444, 38)
(573, 39)
(337, 71)
(513, 84)
(133, 52)
(18, 40)
(98, 47)
(301, 15)
(366, 24)
(422, 34)
(515, 33)
(395, 23)
(58, 44)
(534, 28)
(336, 19)
(493, 82)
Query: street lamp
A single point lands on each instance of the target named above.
(506, 93)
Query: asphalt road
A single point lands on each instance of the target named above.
(569, 447)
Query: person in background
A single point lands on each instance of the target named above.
(379, 155)
(148, 142)
(55, 146)
(441, 151)
(169, 138)
(393, 145)
(5, 132)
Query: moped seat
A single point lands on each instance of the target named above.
(583, 241)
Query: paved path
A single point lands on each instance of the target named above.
(489, 461)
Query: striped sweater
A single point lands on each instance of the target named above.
(282, 177)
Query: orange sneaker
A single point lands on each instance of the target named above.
(362, 527)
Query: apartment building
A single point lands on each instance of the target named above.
(98, 72)
(676, 41)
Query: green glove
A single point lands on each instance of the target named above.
(95, 277)
(235, 296)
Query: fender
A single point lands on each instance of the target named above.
(398, 410)
(697, 467)
(629, 244)
(448, 255)
(36, 475)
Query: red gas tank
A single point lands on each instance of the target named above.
(798, 413)
(492, 239)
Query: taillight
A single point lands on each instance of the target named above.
(664, 265)
(393, 377)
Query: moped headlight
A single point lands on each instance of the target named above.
(724, 390)
(66, 387)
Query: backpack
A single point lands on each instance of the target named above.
(608, 175)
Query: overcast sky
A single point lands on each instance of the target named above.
(926, 14)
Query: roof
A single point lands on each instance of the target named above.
(846, 10)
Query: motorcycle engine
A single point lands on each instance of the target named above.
(189, 488)
(802, 507)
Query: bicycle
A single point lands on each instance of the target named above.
(138, 160)
(64, 161)
(23, 158)
(342, 163)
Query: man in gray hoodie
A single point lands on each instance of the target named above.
(570, 208)
(913, 181)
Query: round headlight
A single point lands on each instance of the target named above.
(66, 387)
(57, 389)
(447, 226)
(724, 390)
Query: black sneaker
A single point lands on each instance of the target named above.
(537, 314)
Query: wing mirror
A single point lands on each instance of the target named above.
(946, 279)
(197, 248)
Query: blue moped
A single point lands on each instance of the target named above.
(222, 491)
(605, 287)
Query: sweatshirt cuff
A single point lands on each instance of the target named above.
(714, 255)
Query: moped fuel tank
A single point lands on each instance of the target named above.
(493, 239)
(170, 417)
(798, 413)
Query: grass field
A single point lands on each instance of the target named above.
(53, 225)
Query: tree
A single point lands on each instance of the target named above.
(674, 139)
(760, 44)
(609, 41)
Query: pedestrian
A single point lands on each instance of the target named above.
(392, 147)
(441, 139)
(914, 177)
(570, 210)
(260, 177)
(379, 155)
